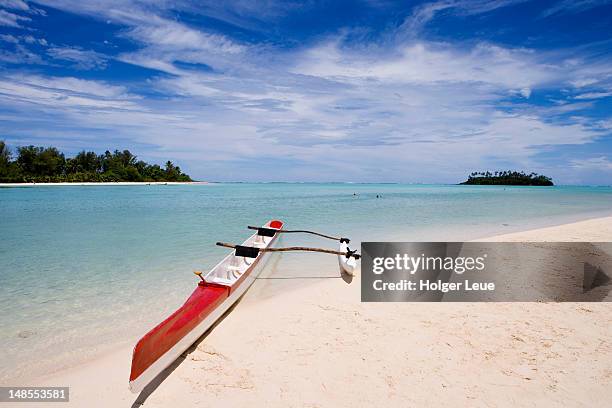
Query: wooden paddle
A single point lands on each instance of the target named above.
(273, 230)
(348, 254)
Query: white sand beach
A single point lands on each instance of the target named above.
(319, 346)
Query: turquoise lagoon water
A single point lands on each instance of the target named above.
(84, 269)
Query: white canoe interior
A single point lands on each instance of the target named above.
(232, 267)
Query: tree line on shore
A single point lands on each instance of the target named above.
(510, 178)
(48, 164)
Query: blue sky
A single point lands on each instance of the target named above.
(369, 90)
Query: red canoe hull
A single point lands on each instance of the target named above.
(158, 341)
(163, 344)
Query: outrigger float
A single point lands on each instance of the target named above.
(216, 292)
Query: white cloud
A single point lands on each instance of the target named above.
(28, 39)
(168, 34)
(20, 55)
(81, 59)
(16, 51)
(593, 163)
(248, 14)
(582, 82)
(604, 124)
(33, 40)
(525, 92)
(9, 38)
(593, 95)
(14, 4)
(424, 13)
(573, 6)
(63, 93)
(163, 41)
(147, 26)
(11, 19)
(423, 62)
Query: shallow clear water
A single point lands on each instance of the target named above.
(85, 268)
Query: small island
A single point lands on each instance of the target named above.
(508, 178)
(48, 165)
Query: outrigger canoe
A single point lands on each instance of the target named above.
(215, 294)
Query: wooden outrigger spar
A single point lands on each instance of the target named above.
(216, 292)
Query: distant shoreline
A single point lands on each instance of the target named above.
(105, 183)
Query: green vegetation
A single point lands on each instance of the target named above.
(508, 178)
(47, 164)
